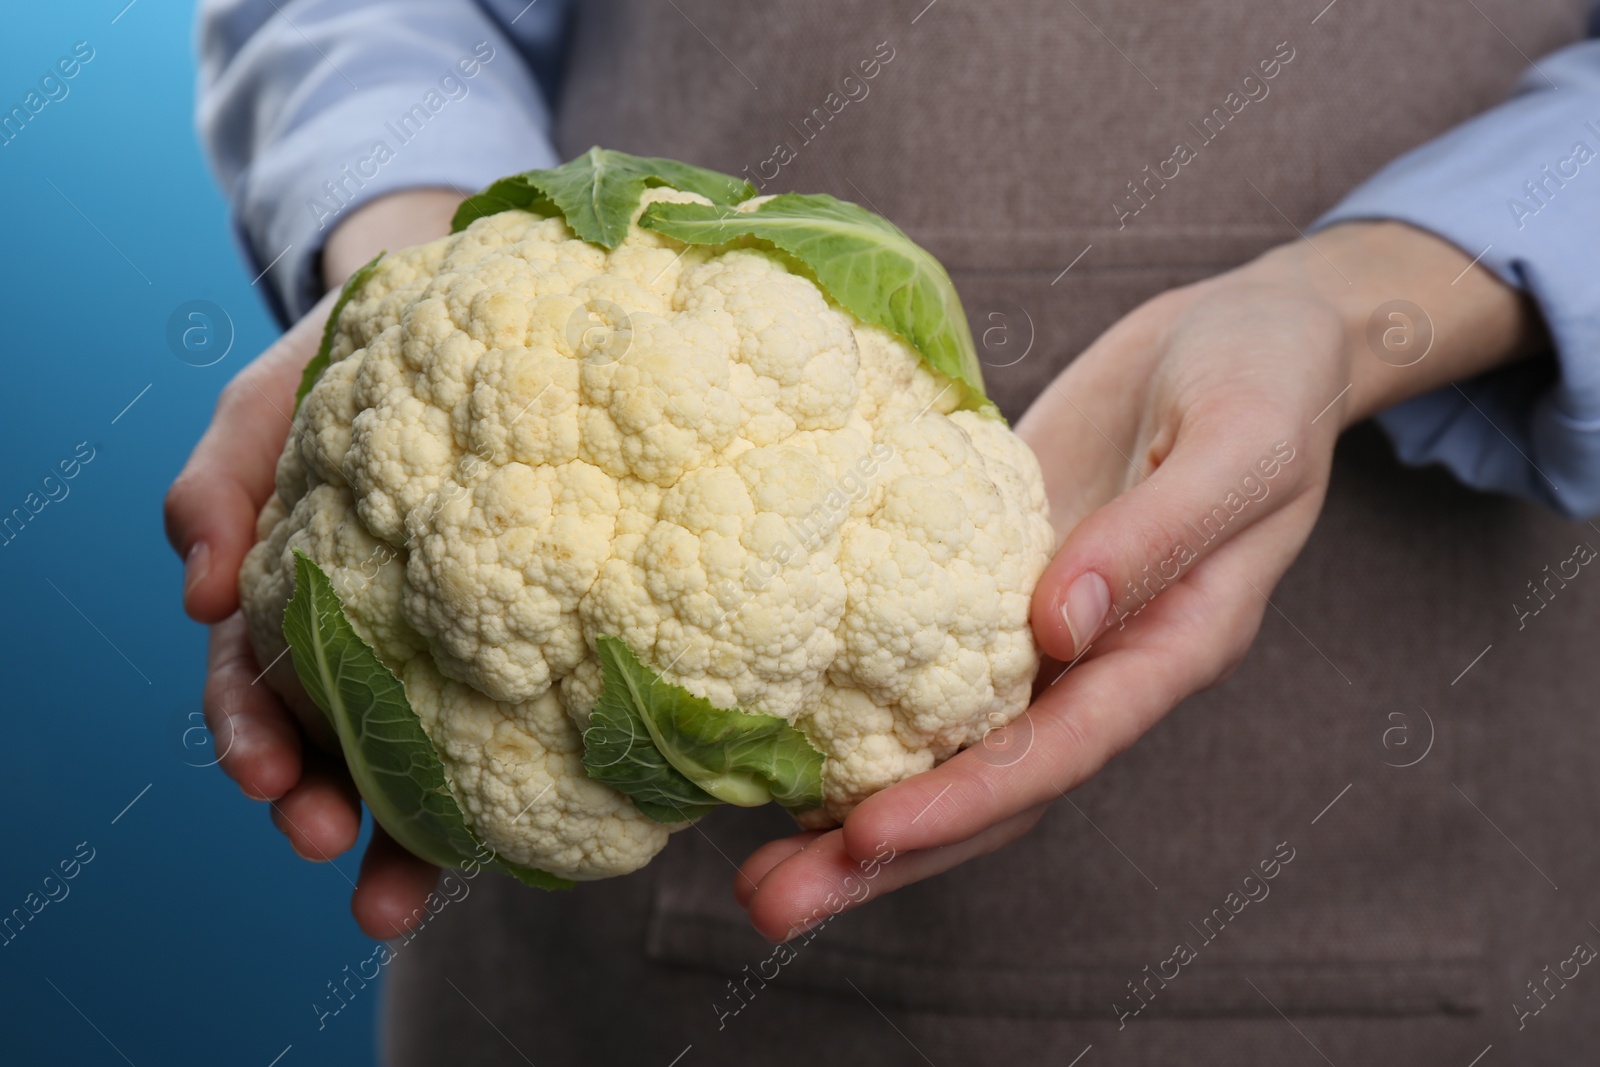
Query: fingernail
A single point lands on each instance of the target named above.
(802, 928)
(196, 565)
(1084, 609)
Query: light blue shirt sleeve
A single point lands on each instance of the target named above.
(310, 108)
(1518, 187)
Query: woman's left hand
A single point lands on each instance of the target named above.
(1186, 454)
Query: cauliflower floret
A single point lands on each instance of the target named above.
(939, 577)
(517, 771)
(367, 573)
(730, 592)
(659, 404)
(499, 566)
(864, 752)
(524, 442)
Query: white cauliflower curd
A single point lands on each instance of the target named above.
(806, 554)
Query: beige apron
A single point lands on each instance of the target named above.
(1013, 140)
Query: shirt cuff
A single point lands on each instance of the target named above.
(381, 141)
(1519, 188)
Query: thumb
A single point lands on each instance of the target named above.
(1215, 483)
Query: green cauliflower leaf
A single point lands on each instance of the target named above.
(390, 758)
(678, 757)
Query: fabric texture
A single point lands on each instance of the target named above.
(1519, 190)
(311, 108)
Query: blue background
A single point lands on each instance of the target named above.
(194, 935)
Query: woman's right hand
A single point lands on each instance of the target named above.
(211, 512)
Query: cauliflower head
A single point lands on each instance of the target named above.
(640, 510)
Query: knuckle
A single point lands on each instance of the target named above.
(1072, 740)
(194, 502)
(176, 509)
(234, 393)
(216, 698)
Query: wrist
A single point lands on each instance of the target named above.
(395, 221)
(1417, 313)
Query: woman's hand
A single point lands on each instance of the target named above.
(1186, 454)
(211, 521)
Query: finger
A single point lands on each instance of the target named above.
(211, 508)
(823, 879)
(321, 815)
(763, 860)
(1228, 469)
(1189, 639)
(256, 740)
(392, 888)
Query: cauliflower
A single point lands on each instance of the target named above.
(636, 495)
